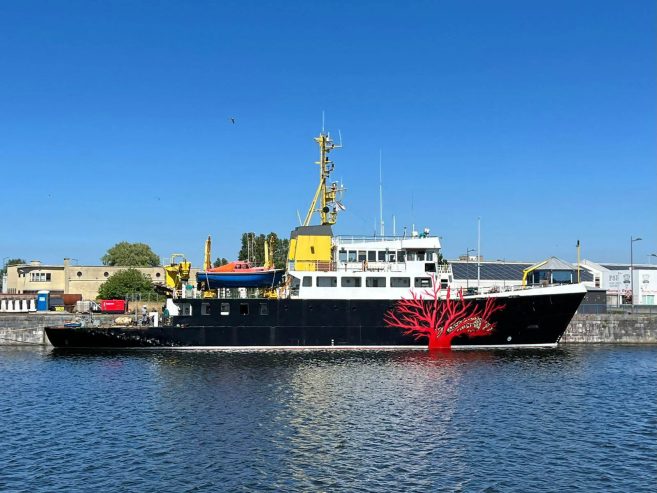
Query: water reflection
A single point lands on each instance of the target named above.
(329, 420)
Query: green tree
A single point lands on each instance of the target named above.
(219, 262)
(123, 283)
(11, 261)
(253, 248)
(126, 254)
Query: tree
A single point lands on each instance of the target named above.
(123, 283)
(219, 262)
(126, 254)
(11, 261)
(253, 248)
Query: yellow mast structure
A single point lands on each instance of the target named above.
(326, 195)
(207, 258)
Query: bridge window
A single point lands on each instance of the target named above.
(352, 256)
(382, 256)
(342, 255)
(362, 255)
(400, 282)
(401, 256)
(375, 282)
(371, 256)
(307, 281)
(422, 282)
(350, 282)
(327, 281)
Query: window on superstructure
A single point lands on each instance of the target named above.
(205, 309)
(327, 281)
(392, 257)
(420, 256)
(350, 282)
(307, 281)
(401, 256)
(400, 282)
(342, 255)
(244, 308)
(411, 257)
(225, 308)
(264, 309)
(371, 256)
(422, 282)
(362, 255)
(352, 256)
(375, 282)
(382, 256)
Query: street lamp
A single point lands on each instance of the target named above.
(467, 267)
(632, 240)
(650, 256)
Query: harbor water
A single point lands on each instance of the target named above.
(576, 418)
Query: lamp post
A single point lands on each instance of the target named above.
(632, 240)
(467, 267)
(650, 256)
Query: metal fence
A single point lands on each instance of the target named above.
(600, 309)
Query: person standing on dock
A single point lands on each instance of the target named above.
(144, 315)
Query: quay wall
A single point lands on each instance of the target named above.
(27, 328)
(612, 328)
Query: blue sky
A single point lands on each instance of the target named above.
(538, 117)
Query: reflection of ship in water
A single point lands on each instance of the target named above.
(346, 292)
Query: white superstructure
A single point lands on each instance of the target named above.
(374, 268)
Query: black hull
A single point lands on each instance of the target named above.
(525, 321)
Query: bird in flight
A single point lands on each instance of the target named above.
(232, 120)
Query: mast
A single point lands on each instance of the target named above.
(325, 194)
(382, 232)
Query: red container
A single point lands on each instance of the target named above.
(113, 306)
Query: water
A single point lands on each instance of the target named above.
(579, 418)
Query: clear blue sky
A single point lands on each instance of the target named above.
(539, 117)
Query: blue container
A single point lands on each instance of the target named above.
(42, 301)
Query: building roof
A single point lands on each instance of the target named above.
(553, 263)
(507, 271)
(489, 271)
(627, 266)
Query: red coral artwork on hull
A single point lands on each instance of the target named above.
(440, 320)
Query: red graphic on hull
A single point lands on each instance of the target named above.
(440, 320)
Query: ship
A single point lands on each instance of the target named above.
(348, 292)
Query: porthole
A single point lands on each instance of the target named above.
(106, 274)
(158, 274)
(79, 274)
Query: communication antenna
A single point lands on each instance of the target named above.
(394, 226)
(381, 194)
(323, 121)
(340, 136)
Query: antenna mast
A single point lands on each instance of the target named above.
(326, 195)
(381, 195)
